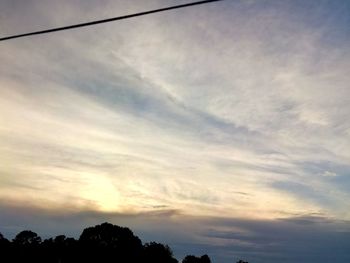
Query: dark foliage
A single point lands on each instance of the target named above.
(194, 259)
(157, 253)
(27, 238)
(105, 243)
(4, 243)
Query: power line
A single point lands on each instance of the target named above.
(106, 20)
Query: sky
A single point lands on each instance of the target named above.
(221, 129)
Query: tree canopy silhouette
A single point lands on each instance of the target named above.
(158, 253)
(27, 238)
(3, 241)
(105, 243)
(194, 259)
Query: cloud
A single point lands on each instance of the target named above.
(328, 173)
(309, 219)
(247, 116)
(238, 108)
(300, 238)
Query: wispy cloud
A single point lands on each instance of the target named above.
(238, 108)
(229, 101)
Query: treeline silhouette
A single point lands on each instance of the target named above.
(105, 243)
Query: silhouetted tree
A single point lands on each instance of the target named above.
(2, 239)
(60, 249)
(26, 238)
(190, 259)
(205, 259)
(4, 247)
(110, 243)
(157, 253)
(105, 243)
(194, 259)
(4, 243)
(26, 247)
